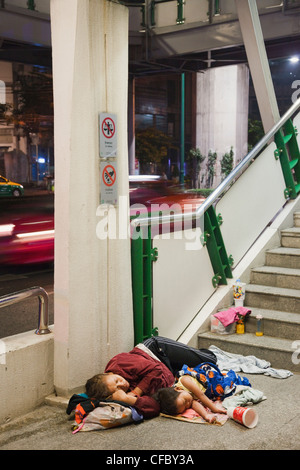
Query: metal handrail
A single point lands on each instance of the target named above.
(186, 216)
(42, 295)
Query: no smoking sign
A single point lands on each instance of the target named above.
(108, 135)
(108, 186)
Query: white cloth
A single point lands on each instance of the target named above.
(243, 396)
(247, 364)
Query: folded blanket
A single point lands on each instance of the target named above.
(247, 364)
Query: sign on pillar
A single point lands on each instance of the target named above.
(108, 151)
(108, 186)
(108, 135)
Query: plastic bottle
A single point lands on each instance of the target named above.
(240, 327)
(259, 325)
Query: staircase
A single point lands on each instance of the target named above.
(273, 292)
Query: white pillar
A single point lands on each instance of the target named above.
(93, 305)
(131, 126)
(222, 114)
(258, 62)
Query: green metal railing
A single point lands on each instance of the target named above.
(143, 254)
(288, 153)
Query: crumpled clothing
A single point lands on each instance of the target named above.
(243, 396)
(217, 385)
(227, 317)
(247, 364)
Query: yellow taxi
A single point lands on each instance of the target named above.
(9, 188)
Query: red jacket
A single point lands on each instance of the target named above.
(142, 371)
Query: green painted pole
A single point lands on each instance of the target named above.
(30, 5)
(182, 128)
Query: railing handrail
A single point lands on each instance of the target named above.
(185, 216)
(15, 297)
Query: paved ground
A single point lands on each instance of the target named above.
(278, 428)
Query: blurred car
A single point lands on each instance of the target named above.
(9, 188)
(27, 232)
(27, 238)
(151, 191)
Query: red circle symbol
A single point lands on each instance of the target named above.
(108, 128)
(109, 175)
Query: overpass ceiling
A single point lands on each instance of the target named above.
(14, 51)
(42, 56)
(196, 62)
(166, 51)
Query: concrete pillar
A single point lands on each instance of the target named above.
(92, 289)
(131, 126)
(222, 114)
(258, 62)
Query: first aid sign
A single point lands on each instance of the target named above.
(108, 135)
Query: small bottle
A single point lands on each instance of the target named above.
(240, 327)
(259, 325)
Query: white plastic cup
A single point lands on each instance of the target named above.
(239, 302)
(246, 416)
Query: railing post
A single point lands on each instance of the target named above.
(289, 155)
(30, 5)
(142, 258)
(42, 295)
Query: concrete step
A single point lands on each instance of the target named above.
(291, 237)
(297, 219)
(278, 351)
(283, 257)
(272, 298)
(275, 323)
(276, 277)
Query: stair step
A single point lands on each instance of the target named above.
(284, 257)
(276, 323)
(290, 238)
(276, 276)
(277, 351)
(272, 298)
(297, 219)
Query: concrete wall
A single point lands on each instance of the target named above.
(26, 373)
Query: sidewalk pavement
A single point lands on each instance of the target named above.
(278, 428)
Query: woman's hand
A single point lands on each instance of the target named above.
(120, 395)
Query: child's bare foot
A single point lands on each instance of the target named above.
(219, 409)
(210, 418)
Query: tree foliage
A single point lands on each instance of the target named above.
(227, 163)
(32, 110)
(151, 145)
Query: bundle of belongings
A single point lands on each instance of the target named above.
(232, 315)
(94, 415)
